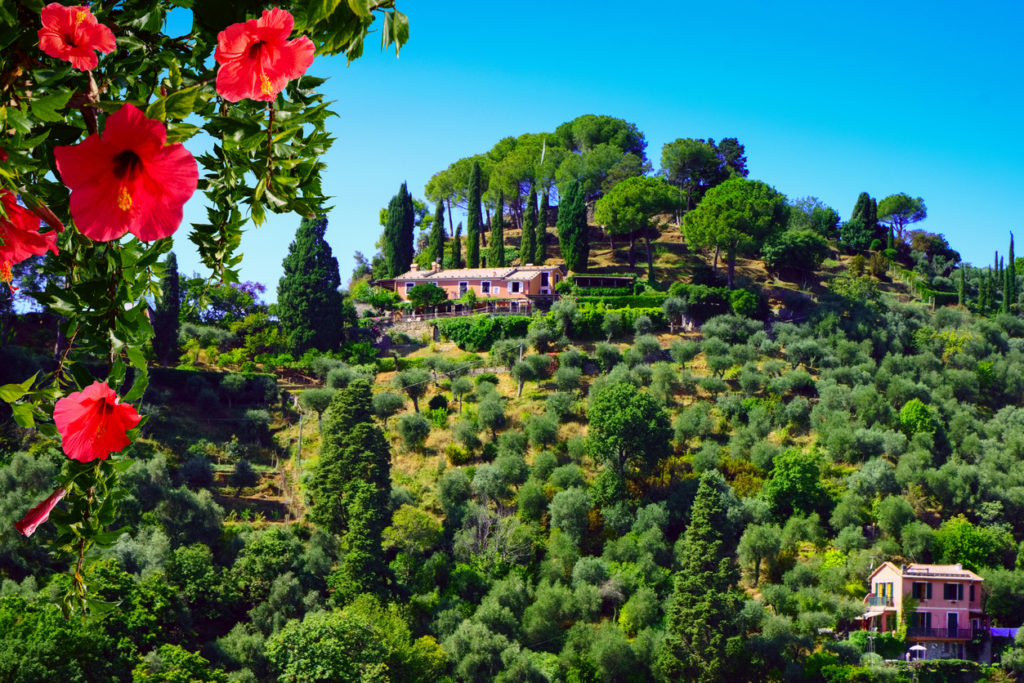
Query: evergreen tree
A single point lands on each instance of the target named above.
(572, 228)
(309, 305)
(398, 229)
(961, 287)
(540, 254)
(703, 638)
(457, 248)
(473, 219)
(435, 249)
(528, 242)
(165, 314)
(496, 249)
(866, 211)
(1011, 277)
(351, 488)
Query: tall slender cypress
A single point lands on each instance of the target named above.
(572, 227)
(308, 302)
(473, 219)
(1011, 275)
(435, 248)
(496, 248)
(527, 243)
(961, 287)
(540, 253)
(457, 248)
(398, 233)
(166, 314)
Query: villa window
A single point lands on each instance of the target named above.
(496, 289)
(953, 591)
(544, 279)
(485, 287)
(922, 591)
(463, 288)
(972, 593)
(514, 287)
(408, 287)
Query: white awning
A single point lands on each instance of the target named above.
(875, 613)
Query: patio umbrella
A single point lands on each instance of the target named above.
(918, 647)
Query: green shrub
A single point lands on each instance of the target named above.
(479, 332)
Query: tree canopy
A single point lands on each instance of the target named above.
(309, 304)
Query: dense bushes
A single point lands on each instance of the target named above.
(479, 332)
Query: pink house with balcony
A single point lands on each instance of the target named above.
(947, 612)
(514, 289)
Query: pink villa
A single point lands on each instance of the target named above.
(948, 612)
(512, 289)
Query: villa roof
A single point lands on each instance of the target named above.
(931, 571)
(508, 272)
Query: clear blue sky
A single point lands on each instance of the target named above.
(830, 99)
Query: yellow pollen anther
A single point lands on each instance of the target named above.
(81, 15)
(5, 271)
(124, 200)
(265, 87)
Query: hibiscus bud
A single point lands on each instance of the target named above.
(39, 514)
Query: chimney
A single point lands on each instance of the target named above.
(414, 268)
(435, 266)
(529, 265)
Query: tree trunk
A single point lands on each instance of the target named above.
(732, 266)
(714, 264)
(451, 226)
(632, 251)
(650, 259)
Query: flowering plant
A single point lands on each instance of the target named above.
(100, 106)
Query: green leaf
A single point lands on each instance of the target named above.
(47, 108)
(362, 8)
(157, 109)
(181, 103)
(12, 392)
(23, 415)
(138, 389)
(47, 429)
(136, 357)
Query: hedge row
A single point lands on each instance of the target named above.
(591, 318)
(632, 301)
(187, 384)
(479, 332)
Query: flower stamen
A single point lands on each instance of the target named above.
(124, 200)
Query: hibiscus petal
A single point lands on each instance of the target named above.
(128, 128)
(40, 513)
(278, 19)
(234, 41)
(169, 181)
(93, 424)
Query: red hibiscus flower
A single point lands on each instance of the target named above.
(93, 422)
(74, 35)
(39, 514)
(127, 180)
(19, 235)
(256, 58)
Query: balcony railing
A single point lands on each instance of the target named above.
(954, 633)
(878, 601)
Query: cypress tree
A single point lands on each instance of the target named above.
(703, 637)
(398, 237)
(435, 250)
(527, 244)
(457, 248)
(890, 241)
(496, 248)
(166, 313)
(473, 219)
(309, 305)
(572, 228)
(961, 287)
(540, 254)
(1011, 275)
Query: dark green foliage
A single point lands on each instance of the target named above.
(427, 295)
(702, 642)
(474, 222)
(496, 243)
(799, 250)
(528, 242)
(540, 250)
(795, 484)
(572, 228)
(414, 430)
(309, 305)
(479, 332)
(398, 233)
(166, 312)
(435, 248)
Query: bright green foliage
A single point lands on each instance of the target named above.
(692, 166)
(759, 541)
(309, 305)
(799, 250)
(166, 314)
(628, 429)
(175, 664)
(916, 417)
(702, 641)
(414, 383)
(540, 253)
(474, 223)
(738, 215)
(398, 233)
(362, 642)
(528, 242)
(496, 243)
(435, 247)
(414, 430)
(572, 228)
(900, 210)
(795, 484)
(958, 540)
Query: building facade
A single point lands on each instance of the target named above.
(946, 600)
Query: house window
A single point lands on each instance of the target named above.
(972, 593)
(408, 287)
(953, 591)
(513, 307)
(921, 620)
(485, 287)
(463, 287)
(922, 591)
(514, 287)
(544, 282)
(496, 289)
(883, 590)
